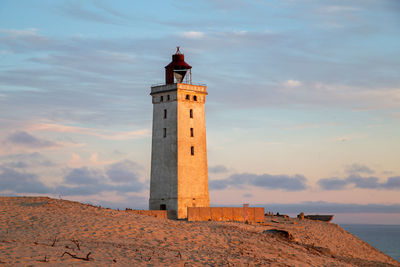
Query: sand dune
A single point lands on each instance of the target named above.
(37, 231)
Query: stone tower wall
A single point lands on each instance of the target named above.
(164, 167)
(192, 169)
(178, 178)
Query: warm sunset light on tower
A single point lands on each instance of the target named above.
(179, 174)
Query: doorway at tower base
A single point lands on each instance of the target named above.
(244, 214)
(177, 208)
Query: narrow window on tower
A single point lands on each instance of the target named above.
(191, 113)
(191, 132)
(192, 150)
(165, 113)
(187, 97)
(161, 98)
(164, 132)
(195, 98)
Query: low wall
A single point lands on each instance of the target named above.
(161, 214)
(226, 214)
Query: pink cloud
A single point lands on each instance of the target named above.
(51, 127)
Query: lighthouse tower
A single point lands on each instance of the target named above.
(179, 174)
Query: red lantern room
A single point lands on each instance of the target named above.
(178, 71)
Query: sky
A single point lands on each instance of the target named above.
(302, 112)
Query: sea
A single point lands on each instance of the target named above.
(386, 238)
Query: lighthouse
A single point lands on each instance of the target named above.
(179, 173)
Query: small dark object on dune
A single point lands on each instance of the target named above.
(282, 233)
(76, 257)
(321, 250)
(324, 218)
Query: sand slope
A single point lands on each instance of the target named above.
(38, 229)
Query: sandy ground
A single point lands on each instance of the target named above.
(37, 231)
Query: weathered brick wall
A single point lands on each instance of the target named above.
(161, 214)
(226, 214)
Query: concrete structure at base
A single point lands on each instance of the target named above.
(244, 214)
(179, 173)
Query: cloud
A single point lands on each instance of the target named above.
(84, 177)
(292, 83)
(102, 5)
(101, 133)
(23, 40)
(289, 51)
(63, 72)
(121, 177)
(364, 182)
(392, 183)
(21, 182)
(219, 184)
(25, 139)
(284, 182)
(98, 13)
(16, 165)
(303, 126)
(358, 168)
(193, 35)
(350, 137)
(124, 171)
(217, 169)
(229, 5)
(357, 181)
(337, 8)
(75, 65)
(24, 161)
(332, 183)
(85, 62)
(18, 33)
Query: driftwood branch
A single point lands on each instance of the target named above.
(54, 241)
(76, 257)
(76, 242)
